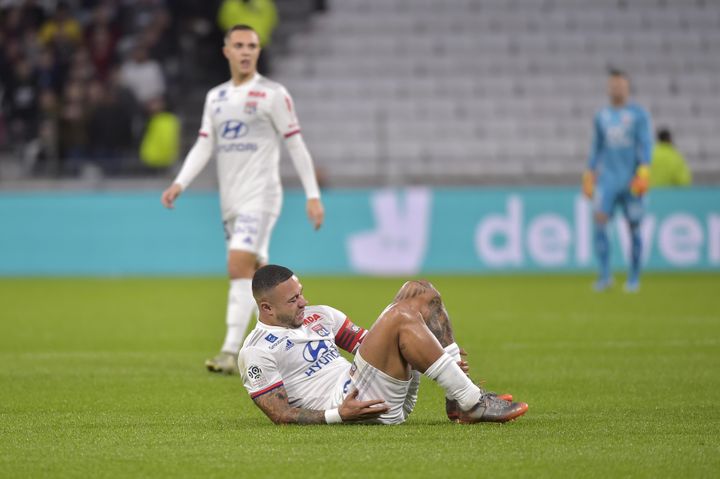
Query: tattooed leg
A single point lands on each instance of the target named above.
(438, 322)
(431, 307)
(411, 332)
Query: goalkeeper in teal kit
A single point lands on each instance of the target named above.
(618, 175)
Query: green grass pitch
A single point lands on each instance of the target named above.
(104, 378)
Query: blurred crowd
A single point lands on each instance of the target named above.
(79, 81)
(90, 87)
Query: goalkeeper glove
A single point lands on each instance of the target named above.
(588, 183)
(641, 182)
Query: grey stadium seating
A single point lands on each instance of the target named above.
(479, 91)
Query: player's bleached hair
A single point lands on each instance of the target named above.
(269, 276)
(240, 27)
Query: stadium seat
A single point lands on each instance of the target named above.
(514, 79)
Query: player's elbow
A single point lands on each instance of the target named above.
(279, 418)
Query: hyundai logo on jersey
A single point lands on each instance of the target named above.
(313, 349)
(233, 129)
(271, 338)
(319, 354)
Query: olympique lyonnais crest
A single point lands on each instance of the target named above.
(250, 107)
(320, 329)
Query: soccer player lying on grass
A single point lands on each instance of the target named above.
(293, 371)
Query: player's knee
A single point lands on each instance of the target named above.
(414, 288)
(241, 265)
(236, 271)
(404, 315)
(404, 291)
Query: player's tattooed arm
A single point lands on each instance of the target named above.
(275, 405)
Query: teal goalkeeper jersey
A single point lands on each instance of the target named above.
(622, 141)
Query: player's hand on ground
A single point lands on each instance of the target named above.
(463, 363)
(353, 410)
(315, 212)
(588, 184)
(170, 195)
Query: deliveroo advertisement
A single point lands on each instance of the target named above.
(408, 231)
(370, 232)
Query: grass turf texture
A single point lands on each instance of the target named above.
(104, 378)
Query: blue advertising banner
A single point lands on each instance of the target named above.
(377, 232)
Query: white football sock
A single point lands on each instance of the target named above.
(453, 351)
(241, 306)
(454, 381)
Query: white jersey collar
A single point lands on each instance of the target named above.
(274, 328)
(248, 84)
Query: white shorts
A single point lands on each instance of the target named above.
(400, 396)
(250, 232)
(341, 389)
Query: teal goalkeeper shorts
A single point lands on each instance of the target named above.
(607, 197)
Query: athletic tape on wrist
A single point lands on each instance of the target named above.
(332, 416)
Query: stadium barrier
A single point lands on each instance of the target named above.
(384, 232)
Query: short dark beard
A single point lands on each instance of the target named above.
(288, 322)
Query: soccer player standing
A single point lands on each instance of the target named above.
(244, 121)
(618, 174)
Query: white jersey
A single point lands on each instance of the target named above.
(305, 360)
(244, 126)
